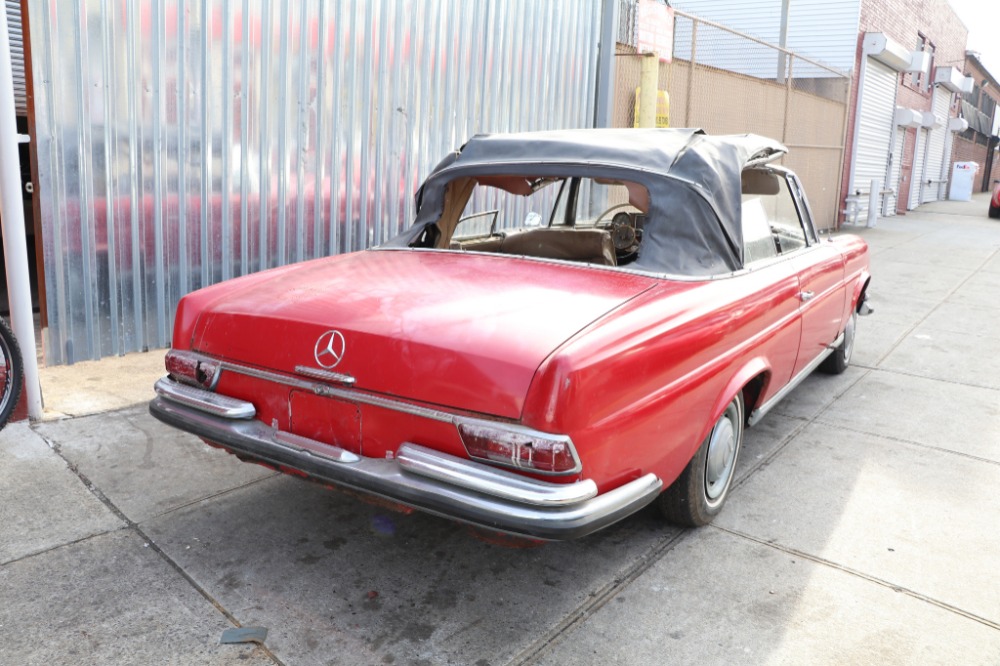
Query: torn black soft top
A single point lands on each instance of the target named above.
(693, 178)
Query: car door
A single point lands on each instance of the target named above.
(775, 278)
(822, 292)
(779, 232)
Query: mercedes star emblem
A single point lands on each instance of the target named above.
(330, 349)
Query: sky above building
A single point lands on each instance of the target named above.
(982, 18)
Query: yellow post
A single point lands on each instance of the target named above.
(649, 82)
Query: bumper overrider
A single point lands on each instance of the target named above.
(417, 476)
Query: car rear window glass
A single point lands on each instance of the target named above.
(770, 218)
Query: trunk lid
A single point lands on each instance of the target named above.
(459, 330)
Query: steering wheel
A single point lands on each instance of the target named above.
(611, 210)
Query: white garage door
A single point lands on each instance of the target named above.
(875, 118)
(919, 159)
(935, 147)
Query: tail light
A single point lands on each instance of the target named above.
(520, 448)
(191, 369)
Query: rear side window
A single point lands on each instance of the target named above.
(771, 223)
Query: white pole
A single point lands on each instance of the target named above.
(873, 197)
(15, 247)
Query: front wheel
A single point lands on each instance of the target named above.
(10, 373)
(698, 494)
(994, 211)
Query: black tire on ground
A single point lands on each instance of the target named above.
(994, 211)
(838, 361)
(699, 493)
(11, 369)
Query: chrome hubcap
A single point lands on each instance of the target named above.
(721, 458)
(849, 337)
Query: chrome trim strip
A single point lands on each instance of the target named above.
(325, 375)
(341, 393)
(480, 478)
(357, 396)
(252, 440)
(762, 411)
(204, 401)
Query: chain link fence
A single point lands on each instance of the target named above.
(726, 82)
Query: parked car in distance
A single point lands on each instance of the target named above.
(995, 200)
(579, 323)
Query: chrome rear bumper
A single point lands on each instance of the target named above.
(420, 477)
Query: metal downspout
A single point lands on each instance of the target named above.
(857, 118)
(917, 147)
(15, 245)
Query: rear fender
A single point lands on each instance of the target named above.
(860, 291)
(753, 368)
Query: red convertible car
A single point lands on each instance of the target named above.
(579, 323)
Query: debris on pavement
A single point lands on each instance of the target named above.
(244, 635)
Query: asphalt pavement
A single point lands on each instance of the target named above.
(864, 527)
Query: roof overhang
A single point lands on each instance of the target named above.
(889, 52)
(952, 80)
(908, 117)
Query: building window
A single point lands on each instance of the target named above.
(986, 103)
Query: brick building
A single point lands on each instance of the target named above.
(906, 60)
(902, 131)
(978, 143)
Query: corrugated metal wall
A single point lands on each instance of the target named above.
(183, 143)
(13, 9)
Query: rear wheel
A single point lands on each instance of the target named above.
(838, 361)
(10, 373)
(698, 494)
(994, 211)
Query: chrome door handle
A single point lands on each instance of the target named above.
(806, 295)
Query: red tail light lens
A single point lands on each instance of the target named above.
(520, 448)
(192, 369)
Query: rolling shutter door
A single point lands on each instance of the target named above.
(17, 55)
(935, 147)
(878, 104)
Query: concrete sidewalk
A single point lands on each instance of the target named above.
(863, 529)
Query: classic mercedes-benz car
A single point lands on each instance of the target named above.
(579, 323)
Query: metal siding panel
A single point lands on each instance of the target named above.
(201, 141)
(206, 151)
(817, 29)
(761, 19)
(13, 9)
(226, 250)
(825, 31)
(878, 105)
